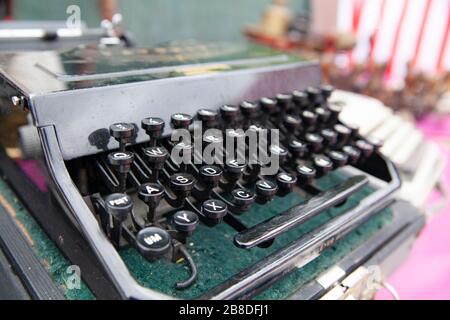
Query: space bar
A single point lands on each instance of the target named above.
(287, 220)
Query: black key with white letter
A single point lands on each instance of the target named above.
(185, 223)
(123, 133)
(153, 243)
(265, 191)
(155, 157)
(151, 194)
(154, 127)
(214, 211)
(242, 200)
(119, 206)
(286, 183)
(181, 121)
(121, 161)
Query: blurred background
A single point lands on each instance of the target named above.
(376, 47)
(396, 51)
(155, 21)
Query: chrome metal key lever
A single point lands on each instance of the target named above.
(279, 224)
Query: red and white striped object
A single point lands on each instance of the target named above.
(397, 32)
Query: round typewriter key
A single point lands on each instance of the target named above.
(150, 193)
(338, 158)
(353, 154)
(292, 123)
(343, 133)
(284, 101)
(156, 155)
(207, 116)
(306, 173)
(153, 242)
(180, 121)
(214, 209)
(242, 198)
(314, 96)
(210, 174)
(182, 182)
(365, 148)
(185, 221)
(314, 141)
(326, 91)
(286, 181)
(309, 119)
(268, 105)
(329, 136)
(155, 158)
(322, 114)
(233, 166)
(122, 159)
(300, 99)
(248, 109)
(122, 130)
(323, 164)
(229, 113)
(298, 148)
(335, 110)
(119, 205)
(123, 133)
(153, 126)
(234, 170)
(266, 189)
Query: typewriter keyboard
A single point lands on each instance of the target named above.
(154, 198)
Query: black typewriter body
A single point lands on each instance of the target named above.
(105, 119)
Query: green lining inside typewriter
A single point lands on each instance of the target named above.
(217, 258)
(213, 250)
(46, 250)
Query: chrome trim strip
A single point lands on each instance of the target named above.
(102, 247)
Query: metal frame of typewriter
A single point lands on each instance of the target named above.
(243, 284)
(57, 147)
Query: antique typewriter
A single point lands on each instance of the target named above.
(124, 132)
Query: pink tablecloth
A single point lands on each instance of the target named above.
(426, 274)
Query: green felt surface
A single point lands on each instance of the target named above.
(218, 259)
(213, 250)
(49, 254)
(296, 279)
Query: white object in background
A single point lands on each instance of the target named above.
(373, 116)
(419, 162)
(425, 177)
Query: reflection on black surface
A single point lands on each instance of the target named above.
(92, 66)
